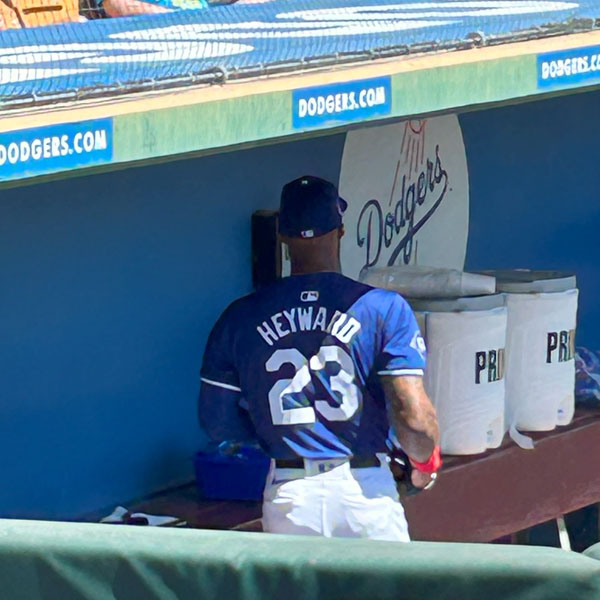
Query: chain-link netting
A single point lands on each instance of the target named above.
(53, 50)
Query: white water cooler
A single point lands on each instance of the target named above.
(464, 377)
(540, 366)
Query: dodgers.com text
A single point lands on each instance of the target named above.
(349, 101)
(340, 102)
(55, 148)
(568, 67)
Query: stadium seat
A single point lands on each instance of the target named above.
(15, 14)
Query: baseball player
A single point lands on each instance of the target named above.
(325, 373)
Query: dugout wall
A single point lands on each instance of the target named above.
(111, 282)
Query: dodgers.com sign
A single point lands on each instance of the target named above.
(341, 102)
(32, 152)
(567, 67)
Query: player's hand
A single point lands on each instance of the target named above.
(420, 480)
(409, 480)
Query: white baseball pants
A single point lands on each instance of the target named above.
(339, 502)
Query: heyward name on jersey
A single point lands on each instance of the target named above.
(341, 326)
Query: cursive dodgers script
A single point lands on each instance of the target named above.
(376, 229)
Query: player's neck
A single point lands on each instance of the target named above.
(325, 266)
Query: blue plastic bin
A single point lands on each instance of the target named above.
(232, 477)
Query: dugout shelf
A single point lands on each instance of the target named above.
(477, 498)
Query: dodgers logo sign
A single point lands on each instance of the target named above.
(341, 102)
(407, 189)
(32, 152)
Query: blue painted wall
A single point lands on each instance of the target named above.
(110, 284)
(535, 193)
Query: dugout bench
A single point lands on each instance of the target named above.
(479, 498)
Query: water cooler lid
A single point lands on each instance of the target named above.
(525, 281)
(468, 303)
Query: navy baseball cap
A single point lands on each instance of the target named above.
(310, 207)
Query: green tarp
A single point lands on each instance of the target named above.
(69, 561)
(593, 551)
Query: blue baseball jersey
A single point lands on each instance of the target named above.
(297, 366)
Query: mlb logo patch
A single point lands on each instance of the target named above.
(308, 233)
(309, 296)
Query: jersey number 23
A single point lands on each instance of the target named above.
(343, 383)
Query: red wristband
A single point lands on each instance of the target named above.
(432, 465)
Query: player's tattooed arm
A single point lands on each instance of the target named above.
(411, 415)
